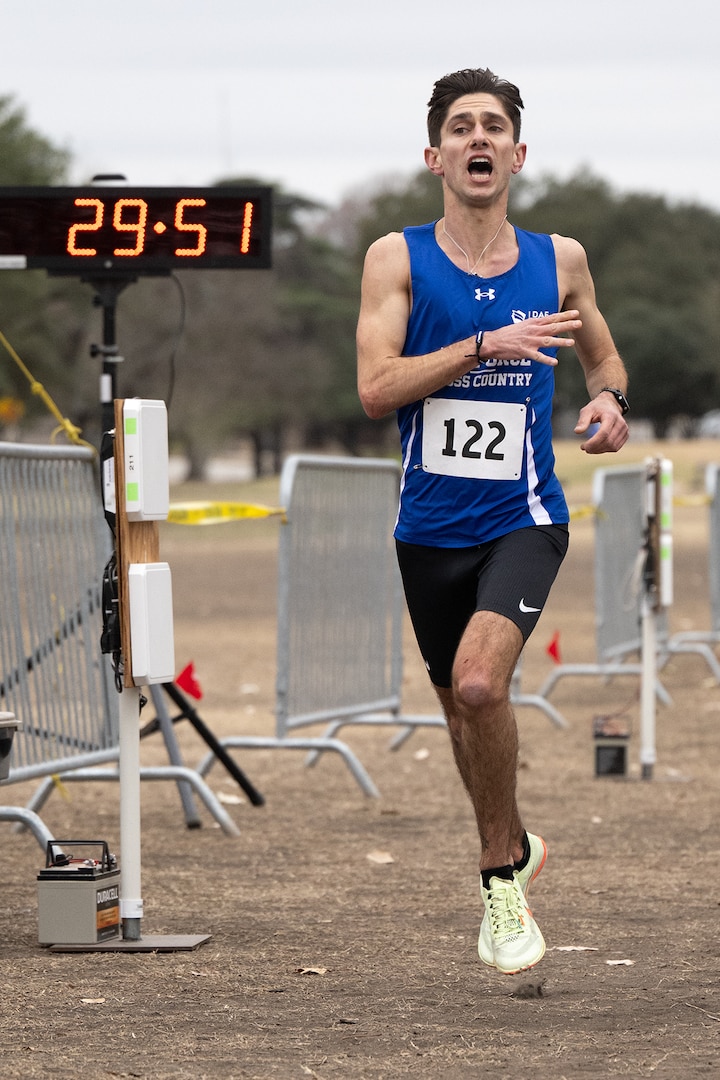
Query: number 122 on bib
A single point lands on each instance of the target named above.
(481, 440)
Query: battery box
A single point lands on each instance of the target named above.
(78, 894)
(611, 746)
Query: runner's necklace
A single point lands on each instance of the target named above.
(471, 269)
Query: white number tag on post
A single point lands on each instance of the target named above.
(481, 440)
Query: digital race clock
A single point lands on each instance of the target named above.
(141, 230)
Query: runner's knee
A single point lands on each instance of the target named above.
(478, 688)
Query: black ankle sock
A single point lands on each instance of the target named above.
(525, 855)
(505, 872)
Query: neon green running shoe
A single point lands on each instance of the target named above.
(517, 943)
(524, 877)
(531, 869)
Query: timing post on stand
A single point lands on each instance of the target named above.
(109, 234)
(146, 627)
(657, 595)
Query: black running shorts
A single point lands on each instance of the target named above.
(444, 587)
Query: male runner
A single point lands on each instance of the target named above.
(460, 324)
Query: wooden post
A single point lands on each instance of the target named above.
(135, 541)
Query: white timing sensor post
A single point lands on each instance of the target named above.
(145, 497)
(657, 595)
(145, 449)
(145, 604)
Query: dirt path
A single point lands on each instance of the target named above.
(344, 928)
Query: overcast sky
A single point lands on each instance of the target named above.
(326, 97)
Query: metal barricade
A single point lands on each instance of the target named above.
(54, 545)
(619, 500)
(339, 603)
(712, 484)
(690, 638)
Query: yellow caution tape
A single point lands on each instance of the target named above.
(214, 513)
(692, 500)
(582, 512)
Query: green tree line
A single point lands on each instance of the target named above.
(270, 355)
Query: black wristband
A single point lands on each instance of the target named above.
(478, 342)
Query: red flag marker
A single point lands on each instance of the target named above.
(553, 649)
(186, 681)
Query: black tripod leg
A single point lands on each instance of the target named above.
(220, 752)
(165, 724)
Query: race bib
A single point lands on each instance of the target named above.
(481, 440)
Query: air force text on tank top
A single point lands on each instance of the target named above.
(477, 454)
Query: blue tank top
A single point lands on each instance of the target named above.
(477, 457)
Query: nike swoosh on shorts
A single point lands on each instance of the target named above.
(524, 607)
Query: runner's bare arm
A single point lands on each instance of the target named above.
(595, 349)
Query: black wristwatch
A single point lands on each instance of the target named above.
(619, 397)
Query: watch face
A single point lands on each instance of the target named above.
(135, 229)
